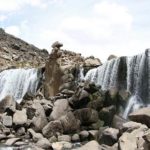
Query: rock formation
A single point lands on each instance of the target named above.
(61, 108)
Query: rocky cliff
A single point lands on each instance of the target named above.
(17, 53)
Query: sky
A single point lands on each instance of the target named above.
(89, 27)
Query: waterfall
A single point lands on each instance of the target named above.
(17, 82)
(129, 73)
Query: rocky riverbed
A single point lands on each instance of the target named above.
(69, 113)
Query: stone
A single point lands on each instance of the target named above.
(52, 128)
(84, 135)
(39, 120)
(8, 104)
(127, 142)
(12, 141)
(61, 107)
(141, 115)
(62, 146)
(107, 114)
(75, 138)
(65, 138)
(109, 136)
(57, 44)
(2, 136)
(93, 134)
(131, 126)
(21, 131)
(43, 143)
(20, 117)
(53, 139)
(92, 62)
(86, 116)
(35, 136)
(92, 145)
(118, 122)
(111, 57)
(69, 123)
(7, 121)
(30, 112)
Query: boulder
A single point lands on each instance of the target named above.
(92, 145)
(35, 136)
(62, 146)
(57, 44)
(70, 123)
(75, 138)
(65, 138)
(21, 131)
(141, 115)
(107, 114)
(52, 128)
(118, 122)
(39, 120)
(86, 116)
(79, 99)
(12, 141)
(9, 104)
(109, 136)
(43, 143)
(84, 135)
(92, 62)
(20, 117)
(7, 120)
(61, 107)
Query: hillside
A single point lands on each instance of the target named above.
(17, 53)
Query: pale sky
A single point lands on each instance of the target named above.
(90, 27)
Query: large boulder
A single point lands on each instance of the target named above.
(109, 136)
(70, 123)
(20, 117)
(52, 128)
(141, 115)
(87, 116)
(39, 120)
(61, 107)
(133, 137)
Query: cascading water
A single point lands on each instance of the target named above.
(130, 73)
(17, 82)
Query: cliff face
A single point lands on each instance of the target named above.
(17, 53)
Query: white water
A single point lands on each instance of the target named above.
(17, 82)
(134, 103)
(136, 80)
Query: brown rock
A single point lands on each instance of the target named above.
(141, 115)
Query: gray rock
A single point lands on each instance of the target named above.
(69, 123)
(7, 121)
(109, 136)
(35, 136)
(86, 116)
(43, 143)
(65, 138)
(84, 135)
(62, 146)
(53, 139)
(141, 115)
(21, 131)
(39, 120)
(93, 134)
(75, 138)
(52, 128)
(57, 44)
(61, 107)
(20, 117)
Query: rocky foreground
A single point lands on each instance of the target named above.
(68, 113)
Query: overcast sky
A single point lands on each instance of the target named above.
(91, 27)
